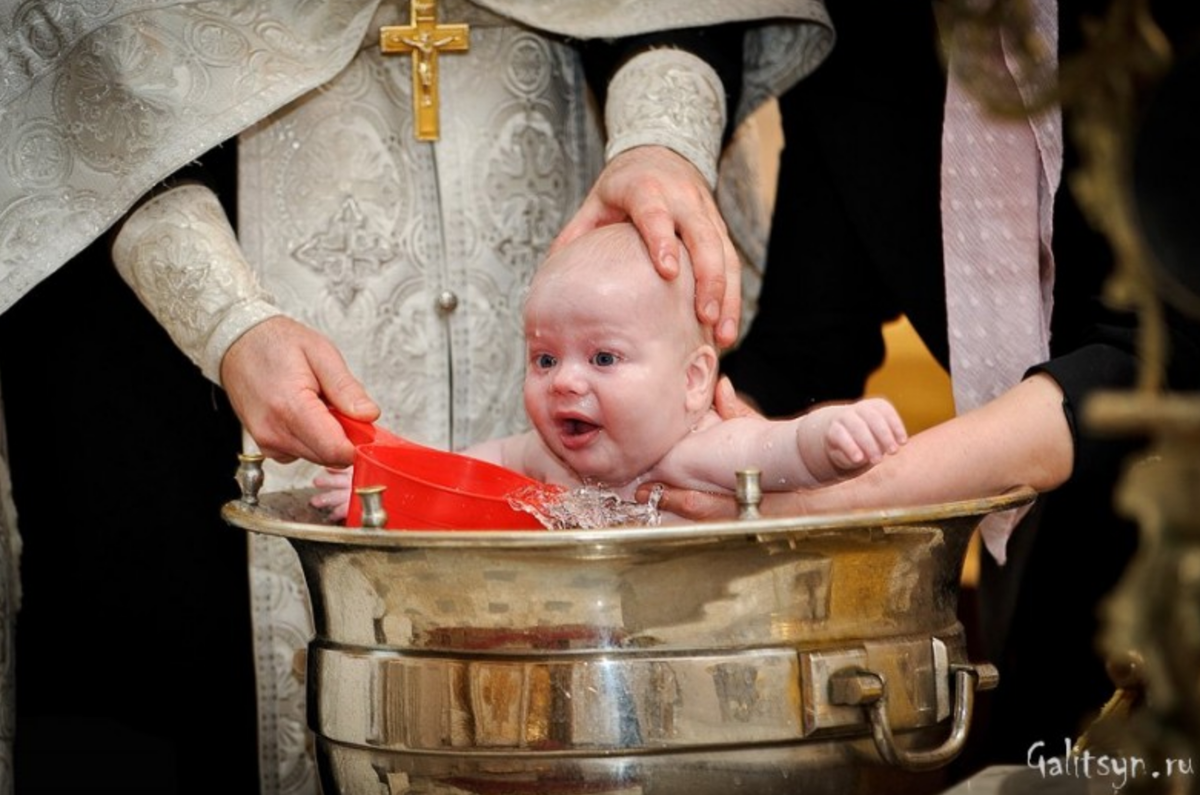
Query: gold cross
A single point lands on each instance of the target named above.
(424, 38)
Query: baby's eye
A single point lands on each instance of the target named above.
(544, 361)
(604, 359)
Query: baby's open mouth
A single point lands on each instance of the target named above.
(576, 433)
(577, 427)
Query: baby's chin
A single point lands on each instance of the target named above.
(606, 465)
(614, 478)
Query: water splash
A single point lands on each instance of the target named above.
(586, 508)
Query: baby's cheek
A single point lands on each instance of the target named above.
(537, 411)
(531, 394)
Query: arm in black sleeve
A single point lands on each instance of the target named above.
(1108, 362)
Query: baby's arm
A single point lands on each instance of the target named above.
(824, 445)
(839, 440)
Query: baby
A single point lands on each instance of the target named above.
(619, 386)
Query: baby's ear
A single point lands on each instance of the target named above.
(701, 377)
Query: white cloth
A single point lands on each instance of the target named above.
(999, 179)
(353, 226)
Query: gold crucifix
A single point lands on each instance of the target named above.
(424, 38)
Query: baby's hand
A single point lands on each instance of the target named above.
(863, 433)
(336, 497)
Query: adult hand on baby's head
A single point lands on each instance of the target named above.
(281, 378)
(335, 499)
(668, 199)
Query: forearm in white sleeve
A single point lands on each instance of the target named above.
(670, 98)
(180, 255)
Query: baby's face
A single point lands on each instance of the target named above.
(606, 378)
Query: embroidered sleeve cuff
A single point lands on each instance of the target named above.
(667, 98)
(239, 319)
(179, 254)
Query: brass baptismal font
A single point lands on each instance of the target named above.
(817, 654)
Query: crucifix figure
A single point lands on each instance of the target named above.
(424, 38)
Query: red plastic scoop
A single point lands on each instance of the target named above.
(427, 488)
(361, 433)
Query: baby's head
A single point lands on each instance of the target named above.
(620, 368)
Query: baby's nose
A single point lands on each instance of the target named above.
(568, 379)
